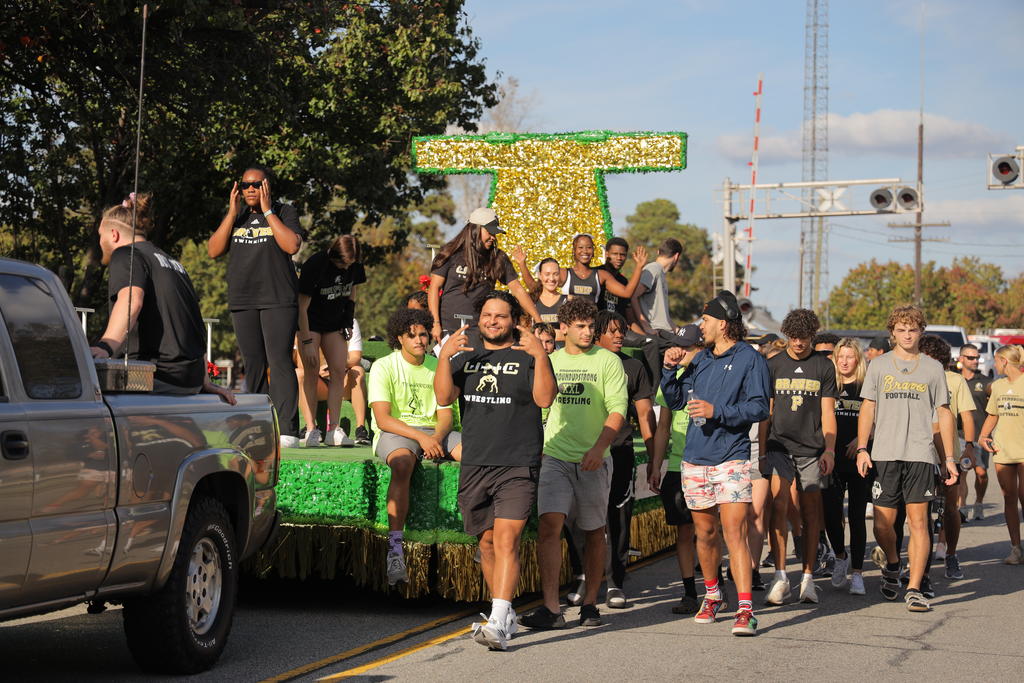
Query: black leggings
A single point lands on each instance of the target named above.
(832, 497)
(265, 338)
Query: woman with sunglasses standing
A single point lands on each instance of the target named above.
(326, 313)
(262, 235)
(1003, 436)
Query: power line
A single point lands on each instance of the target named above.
(963, 244)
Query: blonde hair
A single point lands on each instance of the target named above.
(773, 348)
(850, 343)
(142, 207)
(1013, 353)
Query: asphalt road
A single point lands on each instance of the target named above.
(973, 632)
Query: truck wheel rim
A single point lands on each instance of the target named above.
(203, 586)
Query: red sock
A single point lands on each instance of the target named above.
(711, 586)
(746, 601)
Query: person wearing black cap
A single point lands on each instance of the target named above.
(877, 347)
(470, 265)
(726, 390)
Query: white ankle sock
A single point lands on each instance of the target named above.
(807, 578)
(500, 610)
(781, 576)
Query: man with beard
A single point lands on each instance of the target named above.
(726, 390)
(587, 414)
(503, 386)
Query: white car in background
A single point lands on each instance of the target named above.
(953, 335)
(987, 347)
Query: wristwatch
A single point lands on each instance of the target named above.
(863, 449)
(105, 346)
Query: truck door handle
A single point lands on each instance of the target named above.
(14, 445)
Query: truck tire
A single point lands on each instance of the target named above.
(184, 627)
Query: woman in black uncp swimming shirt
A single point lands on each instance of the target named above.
(326, 312)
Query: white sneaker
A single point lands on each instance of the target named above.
(857, 584)
(979, 511)
(808, 592)
(511, 625)
(779, 592)
(839, 570)
(396, 569)
(940, 552)
(492, 635)
(869, 511)
(338, 437)
(575, 596)
(312, 438)
(288, 441)
(1016, 556)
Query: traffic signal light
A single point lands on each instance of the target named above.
(1004, 170)
(895, 199)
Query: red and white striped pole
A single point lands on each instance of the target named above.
(753, 183)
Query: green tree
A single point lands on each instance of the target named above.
(210, 278)
(327, 93)
(691, 283)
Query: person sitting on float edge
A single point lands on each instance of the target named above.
(154, 305)
(409, 424)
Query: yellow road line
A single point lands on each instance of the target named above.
(363, 649)
(348, 654)
(398, 655)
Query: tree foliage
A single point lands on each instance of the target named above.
(969, 293)
(690, 284)
(327, 93)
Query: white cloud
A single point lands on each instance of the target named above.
(885, 132)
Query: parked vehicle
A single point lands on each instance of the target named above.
(147, 500)
(954, 335)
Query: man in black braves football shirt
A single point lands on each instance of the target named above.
(503, 386)
(799, 438)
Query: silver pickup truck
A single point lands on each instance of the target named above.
(146, 500)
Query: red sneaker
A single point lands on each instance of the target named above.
(745, 624)
(709, 610)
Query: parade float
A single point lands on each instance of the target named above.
(545, 188)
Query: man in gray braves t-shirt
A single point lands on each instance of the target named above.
(904, 396)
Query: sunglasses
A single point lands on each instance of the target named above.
(969, 357)
(245, 186)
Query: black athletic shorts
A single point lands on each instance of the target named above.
(486, 492)
(676, 512)
(898, 482)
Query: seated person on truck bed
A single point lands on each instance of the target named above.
(166, 325)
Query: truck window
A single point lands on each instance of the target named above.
(42, 347)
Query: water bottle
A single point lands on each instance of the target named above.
(697, 421)
(966, 463)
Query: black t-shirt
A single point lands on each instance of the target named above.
(638, 387)
(170, 330)
(260, 274)
(501, 424)
(847, 412)
(609, 301)
(329, 289)
(979, 387)
(455, 300)
(798, 387)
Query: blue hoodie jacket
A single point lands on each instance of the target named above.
(737, 384)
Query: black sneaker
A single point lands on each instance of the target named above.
(686, 605)
(362, 436)
(542, 619)
(757, 581)
(590, 616)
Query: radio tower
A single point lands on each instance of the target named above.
(813, 232)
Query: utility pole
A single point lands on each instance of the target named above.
(728, 239)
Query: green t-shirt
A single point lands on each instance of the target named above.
(408, 388)
(677, 434)
(591, 386)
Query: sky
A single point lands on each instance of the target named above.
(693, 65)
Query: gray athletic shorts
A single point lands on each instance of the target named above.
(755, 468)
(388, 443)
(582, 495)
(803, 469)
